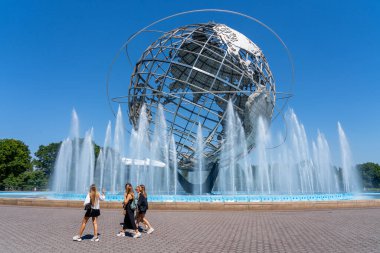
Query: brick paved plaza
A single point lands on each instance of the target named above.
(39, 229)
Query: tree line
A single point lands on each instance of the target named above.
(19, 171)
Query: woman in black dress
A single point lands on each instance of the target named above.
(142, 206)
(129, 217)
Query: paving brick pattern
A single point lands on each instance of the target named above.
(39, 229)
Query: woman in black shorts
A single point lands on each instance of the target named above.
(92, 210)
(142, 206)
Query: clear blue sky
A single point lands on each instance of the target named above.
(54, 55)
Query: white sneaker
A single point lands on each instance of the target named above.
(95, 239)
(121, 234)
(150, 231)
(77, 238)
(137, 235)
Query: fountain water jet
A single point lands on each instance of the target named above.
(199, 158)
(119, 152)
(173, 159)
(263, 181)
(292, 168)
(235, 172)
(349, 172)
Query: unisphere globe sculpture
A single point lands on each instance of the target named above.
(193, 72)
(200, 97)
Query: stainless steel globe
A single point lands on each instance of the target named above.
(193, 71)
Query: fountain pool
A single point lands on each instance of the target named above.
(201, 198)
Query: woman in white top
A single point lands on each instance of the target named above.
(92, 199)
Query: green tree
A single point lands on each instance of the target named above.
(14, 160)
(370, 174)
(12, 183)
(46, 156)
(96, 150)
(30, 180)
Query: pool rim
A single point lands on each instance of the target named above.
(204, 206)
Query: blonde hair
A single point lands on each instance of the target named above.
(142, 190)
(129, 189)
(94, 194)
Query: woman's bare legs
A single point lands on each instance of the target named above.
(83, 226)
(137, 224)
(95, 223)
(137, 219)
(145, 221)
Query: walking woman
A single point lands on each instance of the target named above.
(142, 206)
(92, 210)
(129, 217)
